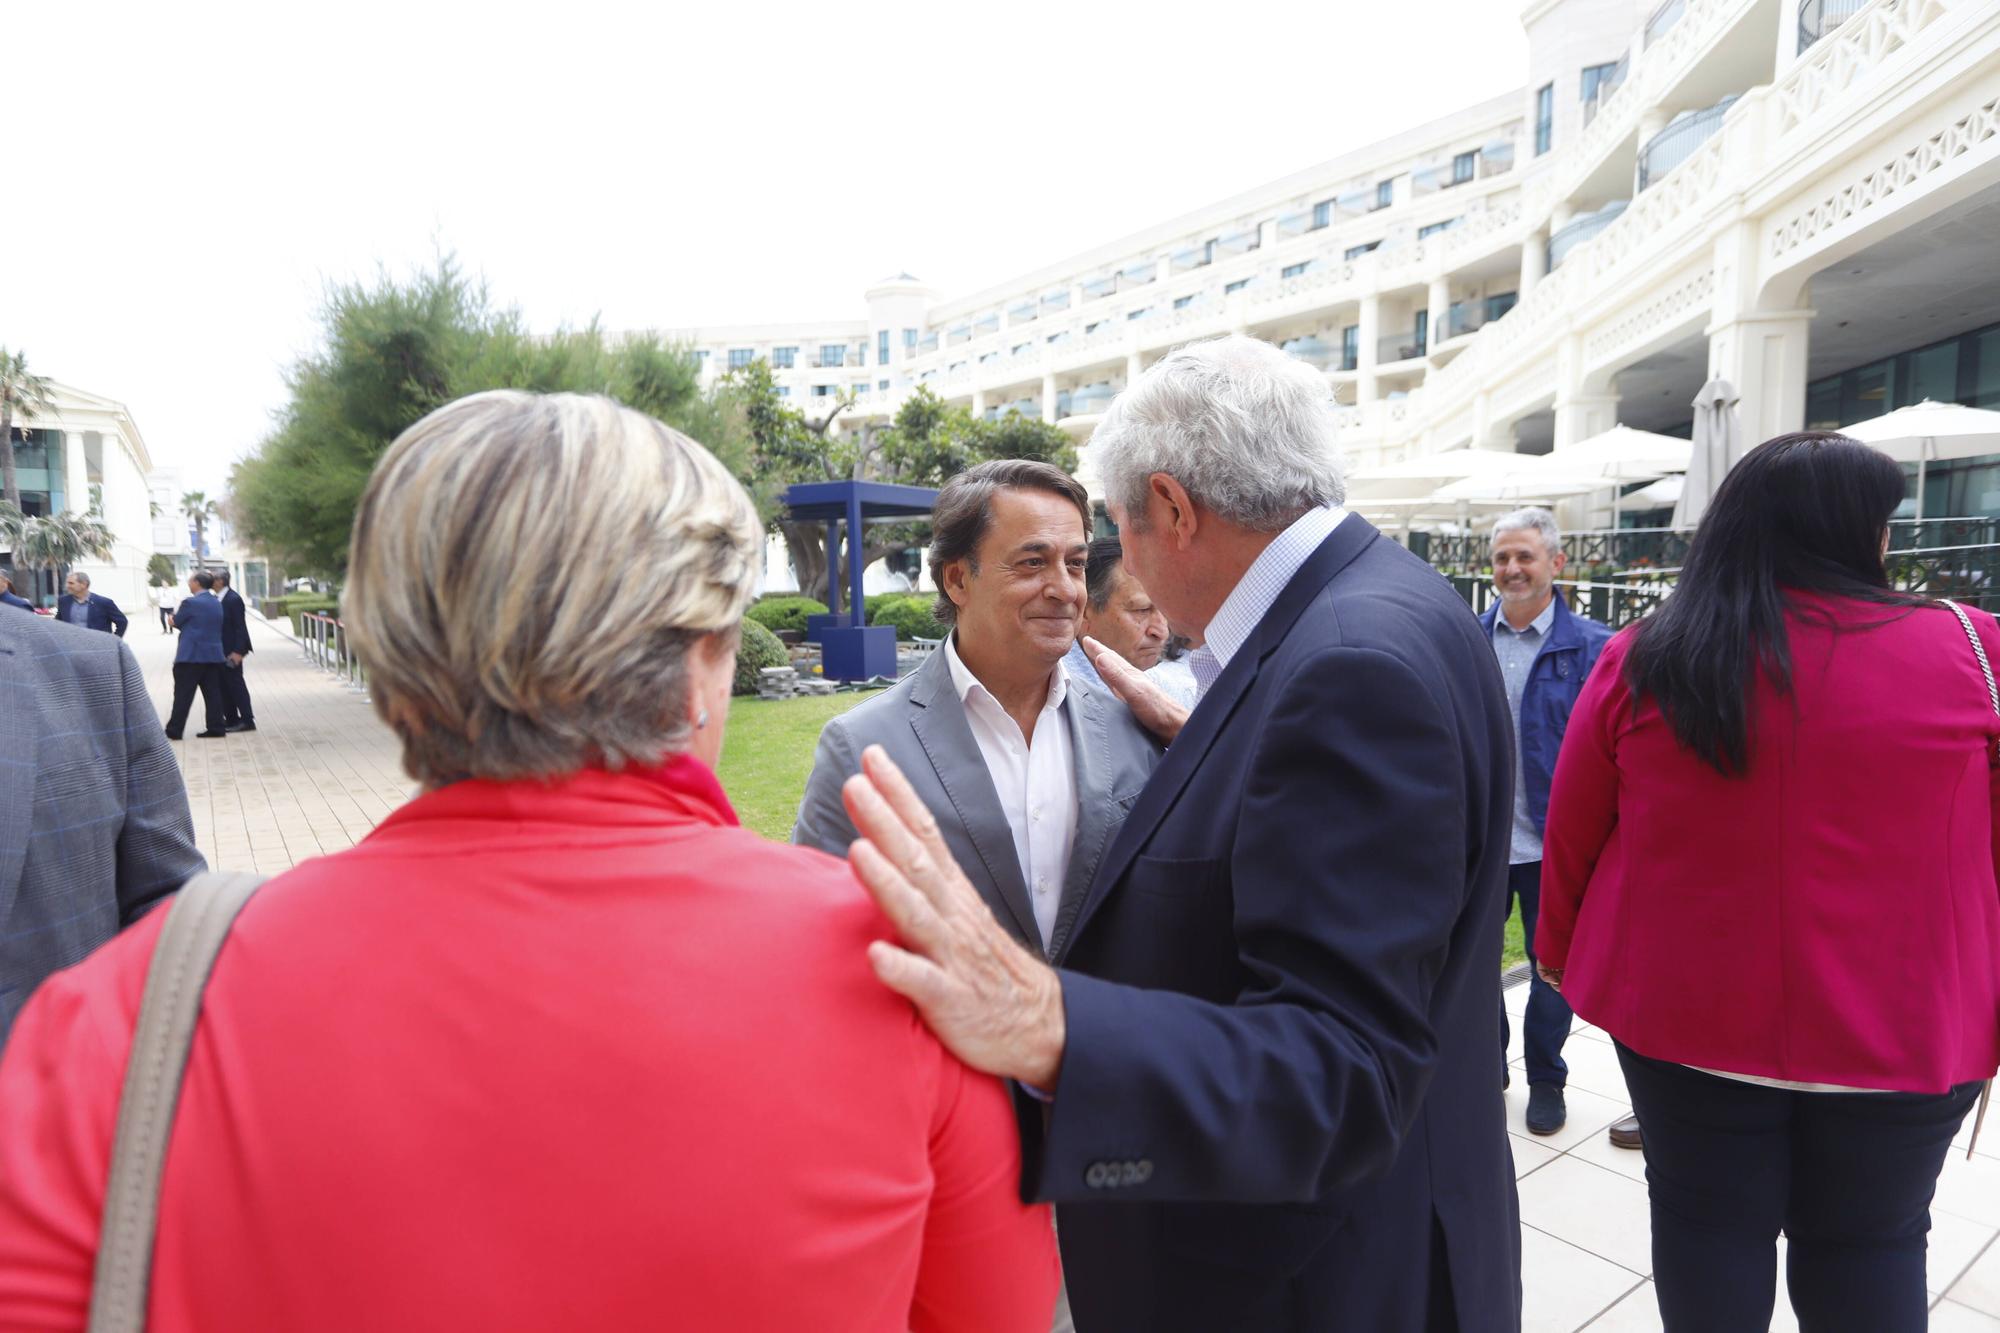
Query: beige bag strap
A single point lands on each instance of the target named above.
(1992, 697)
(198, 921)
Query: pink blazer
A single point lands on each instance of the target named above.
(1829, 917)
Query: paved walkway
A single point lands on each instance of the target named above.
(321, 770)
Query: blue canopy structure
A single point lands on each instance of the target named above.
(851, 649)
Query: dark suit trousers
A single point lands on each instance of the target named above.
(192, 676)
(236, 694)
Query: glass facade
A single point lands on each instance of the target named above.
(1964, 369)
(1350, 347)
(832, 356)
(1463, 166)
(1385, 193)
(784, 358)
(740, 357)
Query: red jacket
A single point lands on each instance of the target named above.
(585, 1056)
(1831, 916)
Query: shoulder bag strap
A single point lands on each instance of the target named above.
(198, 921)
(1992, 697)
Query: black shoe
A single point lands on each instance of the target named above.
(239, 726)
(1506, 1078)
(1546, 1112)
(173, 735)
(1625, 1133)
(210, 735)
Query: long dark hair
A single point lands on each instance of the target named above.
(1799, 513)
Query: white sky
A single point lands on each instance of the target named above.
(187, 178)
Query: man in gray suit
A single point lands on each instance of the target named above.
(1028, 773)
(94, 825)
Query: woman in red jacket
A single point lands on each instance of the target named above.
(1769, 875)
(559, 1045)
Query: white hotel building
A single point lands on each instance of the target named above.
(1799, 196)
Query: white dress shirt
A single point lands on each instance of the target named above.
(1257, 591)
(1036, 781)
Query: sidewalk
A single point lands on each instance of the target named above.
(321, 770)
(317, 774)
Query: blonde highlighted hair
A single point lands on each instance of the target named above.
(527, 576)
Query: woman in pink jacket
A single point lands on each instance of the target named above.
(1769, 874)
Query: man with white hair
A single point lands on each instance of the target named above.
(1258, 1078)
(1545, 652)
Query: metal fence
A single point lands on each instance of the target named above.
(1616, 604)
(327, 647)
(1632, 552)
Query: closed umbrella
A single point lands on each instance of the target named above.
(1928, 432)
(1717, 446)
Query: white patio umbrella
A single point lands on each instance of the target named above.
(1623, 454)
(1527, 482)
(1717, 446)
(1927, 432)
(1665, 491)
(1411, 477)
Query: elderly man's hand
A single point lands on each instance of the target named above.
(1156, 710)
(994, 1004)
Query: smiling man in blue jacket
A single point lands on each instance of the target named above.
(1545, 652)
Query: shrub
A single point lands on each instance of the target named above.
(911, 615)
(298, 604)
(776, 613)
(758, 649)
(877, 600)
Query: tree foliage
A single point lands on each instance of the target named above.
(392, 351)
(22, 395)
(54, 541)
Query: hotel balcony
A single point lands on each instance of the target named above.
(1678, 141)
(1581, 230)
(1662, 21)
(1817, 18)
(1409, 346)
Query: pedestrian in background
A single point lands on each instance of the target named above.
(559, 1045)
(198, 660)
(1769, 875)
(1546, 652)
(236, 646)
(91, 610)
(8, 597)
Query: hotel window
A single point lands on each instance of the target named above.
(1089, 329)
(1598, 80)
(1292, 270)
(740, 357)
(1350, 347)
(784, 358)
(1322, 214)
(1424, 233)
(883, 385)
(882, 347)
(700, 361)
(1183, 302)
(1463, 166)
(832, 356)
(909, 341)
(1236, 286)
(822, 390)
(1356, 251)
(1545, 118)
(1385, 193)
(784, 391)
(1140, 313)
(1019, 348)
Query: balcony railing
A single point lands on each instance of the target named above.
(1677, 142)
(1496, 158)
(1400, 347)
(1609, 84)
(1465, 317)
(1581, 230)
(1663, 20)
(1817, 18)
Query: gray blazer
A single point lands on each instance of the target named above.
(94, 824)
(922, 725)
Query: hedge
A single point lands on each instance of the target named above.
(911, 615)
(299, 603)
(781, 613)
(758, 649)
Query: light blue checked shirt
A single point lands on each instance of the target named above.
(1256, 592)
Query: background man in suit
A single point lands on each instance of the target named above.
(235, 647)
(8, 597)
(91, 610)
(1267, 1058)
(1120, 614)
(1028, 775)
(198, 659)
(94, 824)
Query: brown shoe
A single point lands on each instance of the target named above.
(1625, 1133)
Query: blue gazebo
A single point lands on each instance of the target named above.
(851, 648)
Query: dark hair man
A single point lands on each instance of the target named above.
(198, 659)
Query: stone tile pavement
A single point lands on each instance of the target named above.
(321, 770)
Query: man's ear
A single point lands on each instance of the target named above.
(1176, 508)
(956, 572)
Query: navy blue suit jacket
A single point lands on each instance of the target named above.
(199, 619)
(1279, 1107)
(235, 628)
(103, 613)
(13, 599)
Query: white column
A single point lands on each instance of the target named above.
(76, 474)
(1370, 336)
(1134, 367)
(1048, 397)
(1564, 214)
(1440, 308)
(1788, 41)
(979, 402)
(1761, 351)
(1534, 261)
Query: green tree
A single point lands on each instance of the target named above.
(197, 506)
(24, 395)
(160, 571)
(54, 541)
(393, 350)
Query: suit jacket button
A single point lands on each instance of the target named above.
(1145, 1171)
(1094, 1177)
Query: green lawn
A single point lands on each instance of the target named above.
(768, 751)
(767, 754)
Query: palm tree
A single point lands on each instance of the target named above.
(23, 394)
(58, 541)
(203, 511)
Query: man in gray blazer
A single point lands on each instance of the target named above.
(1028, 772)
(94, 825)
